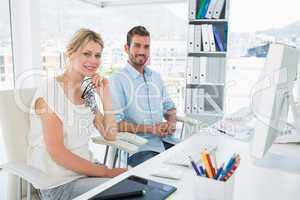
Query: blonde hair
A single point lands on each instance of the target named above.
(81, 38)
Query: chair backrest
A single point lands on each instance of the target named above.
(14, 122)
(14, 127)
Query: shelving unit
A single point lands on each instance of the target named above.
(206, 60)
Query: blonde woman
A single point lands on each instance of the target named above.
(62, 124)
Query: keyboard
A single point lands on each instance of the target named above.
(167, 171)
(182, 158)
(132, 138)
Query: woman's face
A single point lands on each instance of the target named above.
(86, 60)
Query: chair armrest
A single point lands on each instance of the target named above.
(36, 177)
(191, 121)
(132, 138)
(188, 120)
(119, 144)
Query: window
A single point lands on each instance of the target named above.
(168, 38)
(6, 73)
(250, 35)
(2, 70)
(6, 65)
(1, 61)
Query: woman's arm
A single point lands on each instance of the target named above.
(106, 123)
(53, 138)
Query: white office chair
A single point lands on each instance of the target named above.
(14, 127)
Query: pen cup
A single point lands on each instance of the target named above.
(211, 189)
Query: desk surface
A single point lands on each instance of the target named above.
(251, 181)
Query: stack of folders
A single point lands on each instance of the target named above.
(206, 37)
(201, 70)
(210, 169)
(195, 98)
(210, 9)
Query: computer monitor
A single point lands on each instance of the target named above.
(272, 97)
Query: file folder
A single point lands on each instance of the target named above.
(210, 9)
(210, 71)
(211, 37)
(205, 38)
(191, 38)
(195, 100)
(192, 9)
(225, 36)
(197, 45)
(196, 70)
(203, 67)
(201, 100)
(218, 9)
(204, 11)
(189, 71)
(213, 67)
(218, 40)
(188, 100)
(201, 7)
(221, 70)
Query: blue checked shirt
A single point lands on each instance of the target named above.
(140, 99)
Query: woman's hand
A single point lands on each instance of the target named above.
(100, 83)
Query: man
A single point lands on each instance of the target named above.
(140, 99)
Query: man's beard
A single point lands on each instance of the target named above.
(136, 60)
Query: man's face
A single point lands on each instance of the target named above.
(139, 50)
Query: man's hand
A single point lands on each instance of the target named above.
(164, 128)
(170, 116)
(160, 129)
(171, 127)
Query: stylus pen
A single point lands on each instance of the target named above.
(224, 132)
(221, 131)
(137, 193)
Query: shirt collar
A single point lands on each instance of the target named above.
(134, 73)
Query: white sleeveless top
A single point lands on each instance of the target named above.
(77, 123)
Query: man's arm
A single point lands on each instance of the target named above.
(160, 129)
(124, 126)
(169, 109)
(170, 116)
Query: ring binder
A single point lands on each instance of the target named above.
(206, 63)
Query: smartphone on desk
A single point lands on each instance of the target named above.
(134, 185)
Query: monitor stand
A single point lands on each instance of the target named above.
(287, 160)
(284, 157)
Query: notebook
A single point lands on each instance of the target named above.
(134, 183)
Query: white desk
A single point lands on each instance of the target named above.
(251, 182)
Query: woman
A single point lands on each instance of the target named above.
(62, 125)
